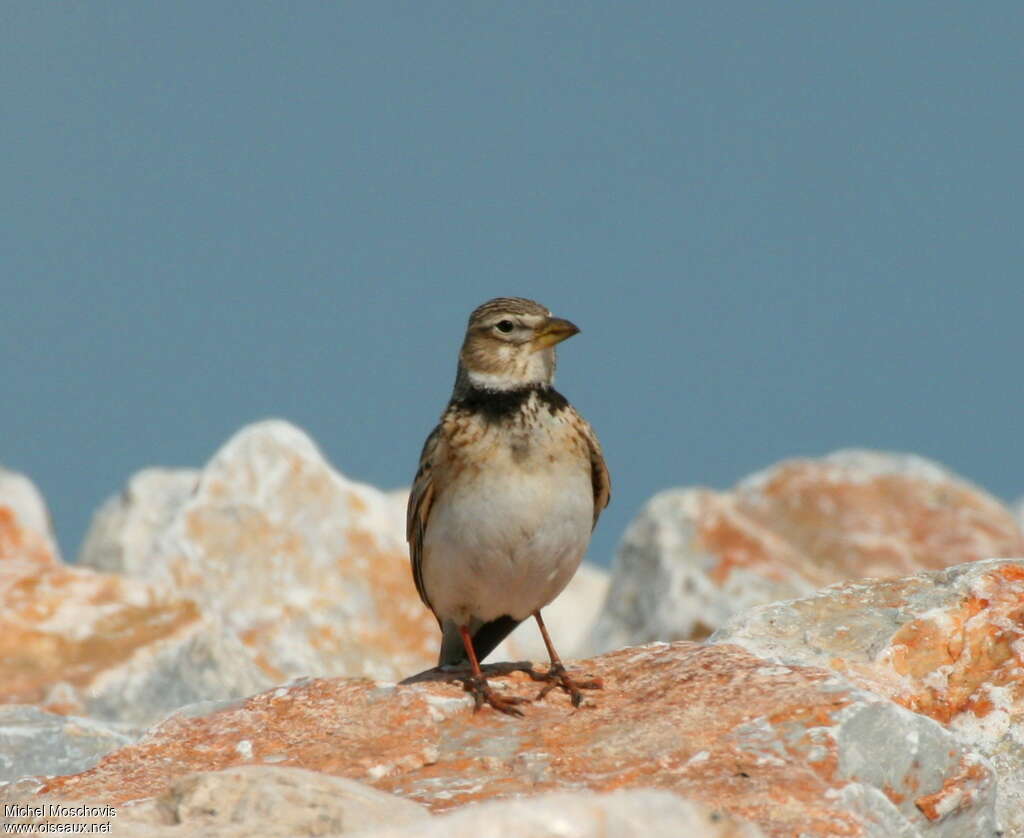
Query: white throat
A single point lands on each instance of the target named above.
(518, 370)
(497, 381)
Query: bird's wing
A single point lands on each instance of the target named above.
(421, 498)
(599, 477)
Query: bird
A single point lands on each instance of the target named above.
(510, 485)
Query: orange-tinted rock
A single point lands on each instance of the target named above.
(794, 749)
(25, 533)
(695, 557)
(77, 641)
(308, 569)
(948, 644)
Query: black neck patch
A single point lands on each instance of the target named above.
(501, 405)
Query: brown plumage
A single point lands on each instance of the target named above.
(513, 468)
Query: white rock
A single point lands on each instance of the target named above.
(271, 802)
(284, 801)
(661, 588)
(694, 557)
(125, 529)
(309, 570)
(622, 814)
(27, 507)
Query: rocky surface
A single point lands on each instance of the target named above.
(694, 557)
(619, 814)
(25, 530)
(33, 741)
(126, 529)
(264, 566)
(286, 802)
(86, 643)
(948, 644)
(789, 748)
(884, 707)
(309, 570)
(272, 802)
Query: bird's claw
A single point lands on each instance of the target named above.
(558, 676)
(482, 693)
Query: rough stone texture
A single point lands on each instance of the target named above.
(76, 641)
(272, 802)
(794, 749)
(286, 802)
(25, 528)
(33, 741)
(949, 644)
(307, 568)
(620, 814)
(694, 557)
(126, 528)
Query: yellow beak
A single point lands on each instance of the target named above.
(554, 331)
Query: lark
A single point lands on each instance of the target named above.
(510, 485)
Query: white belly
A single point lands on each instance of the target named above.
(507, 541)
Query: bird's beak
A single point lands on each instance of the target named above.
(554, 331)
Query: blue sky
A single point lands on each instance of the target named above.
(783, 229)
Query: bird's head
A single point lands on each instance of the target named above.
(510, 343)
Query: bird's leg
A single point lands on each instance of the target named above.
(557, 675)
(481, 690)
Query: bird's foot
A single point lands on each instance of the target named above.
(558, 676)
(483, 694)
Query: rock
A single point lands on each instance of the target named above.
(283, 801)
(26, 534)
(86, 643)
(125, 530)
(793, 749)
(694, 557)
(33, 741)
(309, 570)
(948, 644)
(619, 814)
(272, 802)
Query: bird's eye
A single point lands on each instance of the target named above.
(506, 326)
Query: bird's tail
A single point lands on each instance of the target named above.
(486, 636)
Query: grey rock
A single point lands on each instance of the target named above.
(204, 663)
(947, 643)
(34, 742)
